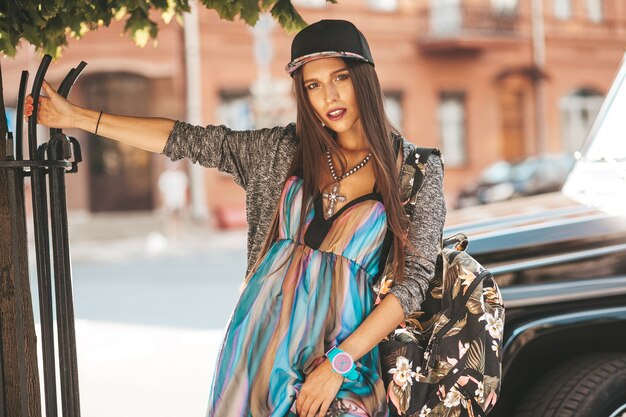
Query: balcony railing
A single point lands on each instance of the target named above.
(454, 21)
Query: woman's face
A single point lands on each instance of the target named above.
(328, 84)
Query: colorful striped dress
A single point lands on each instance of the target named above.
(288, 317)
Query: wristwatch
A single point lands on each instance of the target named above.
(342, 363)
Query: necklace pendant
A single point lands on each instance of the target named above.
(332, 198)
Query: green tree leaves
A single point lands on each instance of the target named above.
(46, 24)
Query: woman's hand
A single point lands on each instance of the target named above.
(318, 391)
(54, 110)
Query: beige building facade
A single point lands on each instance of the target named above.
(483, 80)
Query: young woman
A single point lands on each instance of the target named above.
(324, 214)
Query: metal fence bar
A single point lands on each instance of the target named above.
(45, 300)
(42, 245)
(59, 268)
(60, 148)
(19, 121)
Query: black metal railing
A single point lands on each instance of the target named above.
(52, 159)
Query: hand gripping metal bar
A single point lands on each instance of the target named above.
(66, 86)
(35, 92)
(60, 148)
(42, 245)
(47, 323)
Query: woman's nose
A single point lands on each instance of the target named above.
(332, 94)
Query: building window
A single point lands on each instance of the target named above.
(504, 7)
(563, 9)
(393, 108)
(445, 17)
(452, 127)
(595, 10)
(578, 111)
(318, 4)
(235, 110)
(383, 5)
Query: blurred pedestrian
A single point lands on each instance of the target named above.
(324, 216)
(173, 191)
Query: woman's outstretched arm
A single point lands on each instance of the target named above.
(149, 133)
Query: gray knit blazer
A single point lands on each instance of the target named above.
(259, 159)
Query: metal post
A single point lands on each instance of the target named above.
(539, 61)
(59, 148)
(42, 245)
(194, 105)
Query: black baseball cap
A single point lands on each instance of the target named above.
(328, 38)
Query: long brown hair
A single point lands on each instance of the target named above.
(312, 140)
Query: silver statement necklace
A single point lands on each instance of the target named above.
(334, 195)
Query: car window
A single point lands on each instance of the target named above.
(599, 176)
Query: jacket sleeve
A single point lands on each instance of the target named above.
(425, 233)
(236, 152)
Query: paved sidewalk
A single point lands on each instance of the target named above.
(126, 235)
(130, 370)
(147, 339)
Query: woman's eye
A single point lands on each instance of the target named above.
(311, 86)
(342, 76)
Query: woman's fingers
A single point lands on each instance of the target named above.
(302, 406)
(312, 411)
(47, 88)
(324, 408)
(48, 113)
(299, 400)
(29, 107)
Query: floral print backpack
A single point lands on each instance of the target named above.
(445, 360)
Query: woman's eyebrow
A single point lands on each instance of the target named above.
(332, 73)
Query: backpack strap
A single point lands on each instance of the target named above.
(418, 159)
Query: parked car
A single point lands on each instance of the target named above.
(562, 272)
(504, 180)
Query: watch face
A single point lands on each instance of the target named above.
(342, 362)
